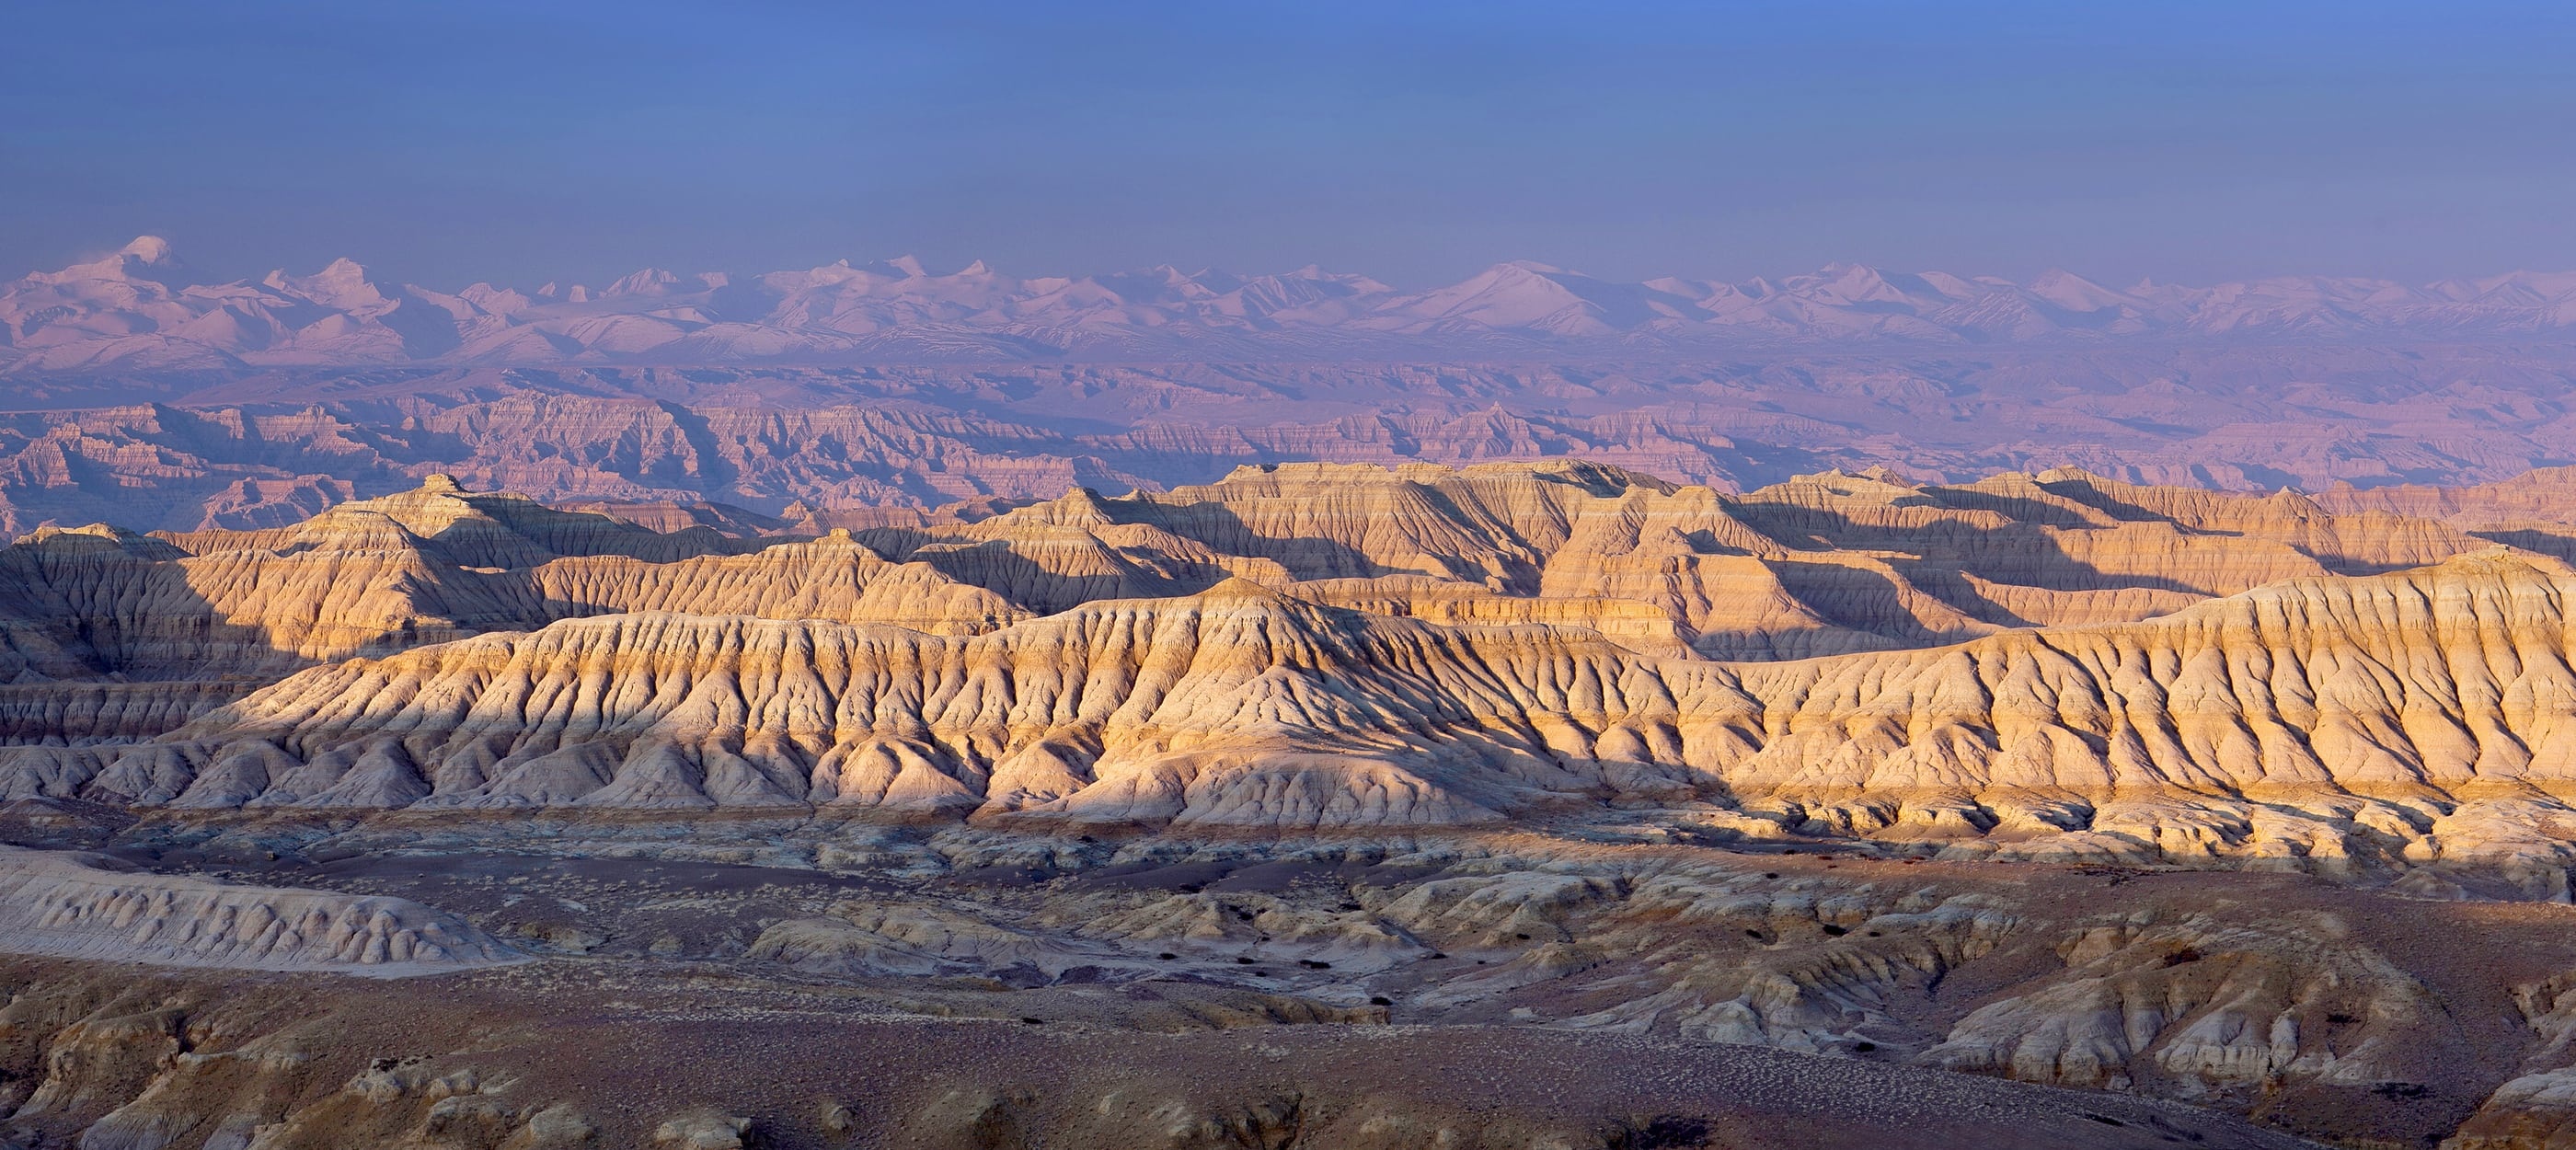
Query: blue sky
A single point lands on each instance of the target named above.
(1417, 141)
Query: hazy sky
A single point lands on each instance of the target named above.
(1415, 140)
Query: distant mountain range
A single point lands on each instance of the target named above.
(138, 310)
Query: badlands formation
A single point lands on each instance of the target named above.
(1518, 804)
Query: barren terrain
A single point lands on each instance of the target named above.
(1542, 803)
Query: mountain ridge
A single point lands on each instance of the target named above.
(2042, 666)
(136, 309)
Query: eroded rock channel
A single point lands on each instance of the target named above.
(1526, 806)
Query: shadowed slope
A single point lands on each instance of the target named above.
(2420, 717)
(1822, 564)
(421, 567)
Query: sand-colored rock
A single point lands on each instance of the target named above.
(2412, 719)
(831, 578)
(1238, 705)
(2227, 1007)
(1322, 744)
(421, 567)
(1630, 622)
(1822, 564)
(88, 713)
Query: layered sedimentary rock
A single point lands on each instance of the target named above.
(1820, 565)
(78, 714)
(830, 578)
(1827, 564)
(52, 904)
(424, 566)
(1349, 744)
(1237, 705)
(2416, 718)
(2532, 511)
(1313, 645)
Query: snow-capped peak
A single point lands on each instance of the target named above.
(150, 250)
(130, 308)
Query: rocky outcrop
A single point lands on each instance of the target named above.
(2420, 719)
(2319, 1009)
(91, 714)
(1360, 647)
(1235, 706)
(1824, 564)
(166, 1060)
(51, 904)
(831, 578)
(1820, 564)
(421, 567)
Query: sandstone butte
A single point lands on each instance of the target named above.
(2051, 666)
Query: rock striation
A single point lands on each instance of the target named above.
(2424, 718)
(2053, 665)
(57, 905)
(419, 567)
(1822, 564)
